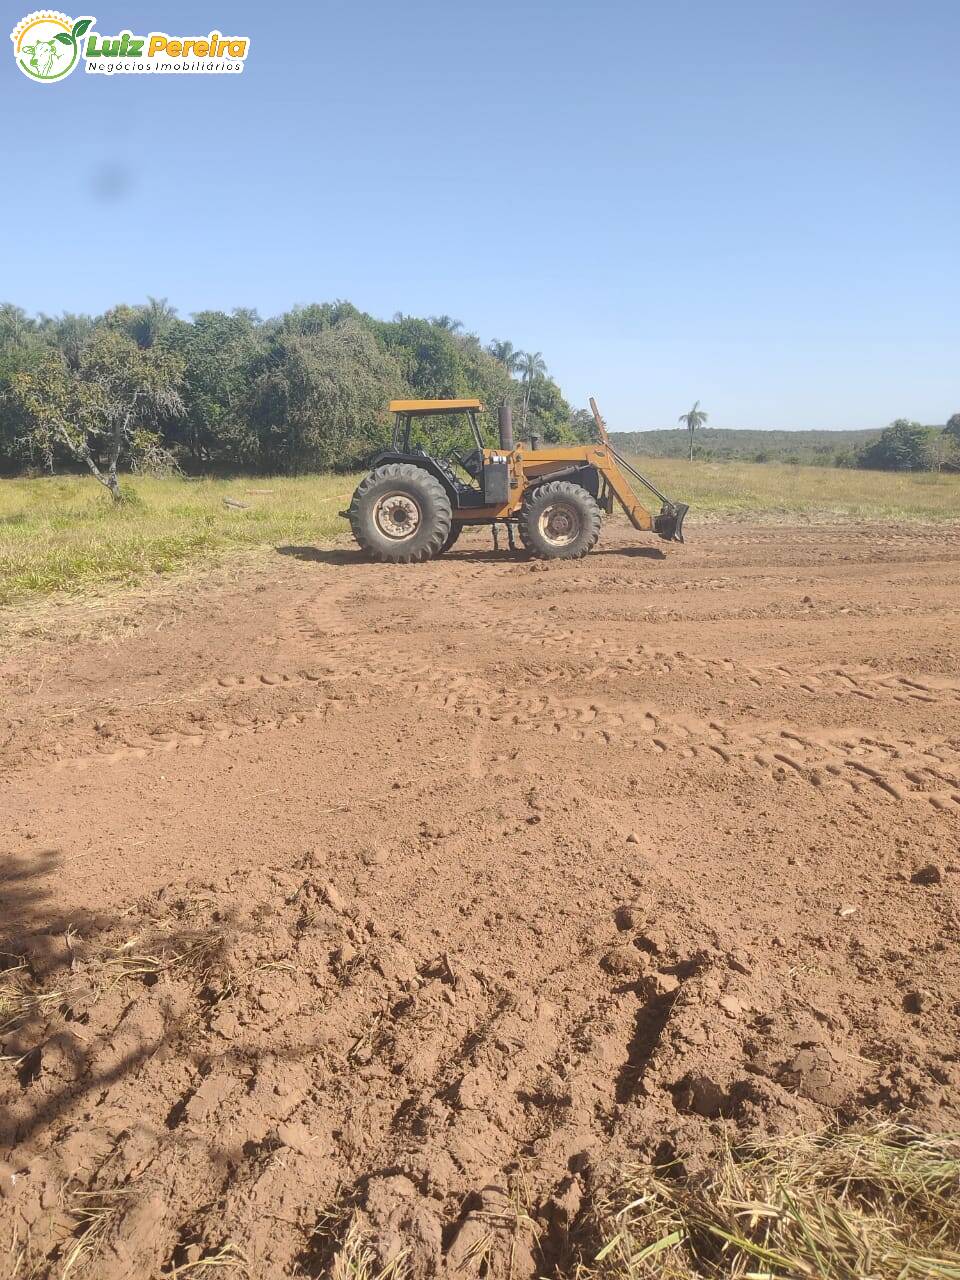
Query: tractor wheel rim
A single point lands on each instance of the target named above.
(397, 516)
(559, 524)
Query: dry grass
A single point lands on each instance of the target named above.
(93, 1213)
(880, 1203)
(197, 956)
(226, 1258)
(22, 998)
(356, 1259)
(767, 491)
(343, 1251)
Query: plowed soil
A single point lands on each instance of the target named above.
(425, 896)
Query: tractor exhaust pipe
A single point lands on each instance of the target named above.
(506, 428)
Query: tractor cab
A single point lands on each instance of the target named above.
(486, 469)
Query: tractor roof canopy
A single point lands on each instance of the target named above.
(423, 408)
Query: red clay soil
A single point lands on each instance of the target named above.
(426, 895)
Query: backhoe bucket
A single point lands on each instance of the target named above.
(669, 523)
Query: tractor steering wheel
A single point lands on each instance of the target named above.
(471, 462)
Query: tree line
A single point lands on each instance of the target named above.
(902, 446)
(910, 446)
(141, 388)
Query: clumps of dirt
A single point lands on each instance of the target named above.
(206, 1081)
(263, 1073)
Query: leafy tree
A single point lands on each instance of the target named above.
(316, 317)
(429, 356)
(39, 405)
(306, 389)
(22, 346)
(320, 400)
(129, 387)
(16, 327)
(548, 410)
(220, 353)
(903, 446)
(583, 426)
(948, 449)
(844, 458)
(95, 410)
(693, 419)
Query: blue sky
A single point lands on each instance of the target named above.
(753, 204)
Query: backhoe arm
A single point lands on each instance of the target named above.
(669, 522)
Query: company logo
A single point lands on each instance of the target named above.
(48, 46)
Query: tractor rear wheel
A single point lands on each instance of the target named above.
(400, 514)
(559, 521)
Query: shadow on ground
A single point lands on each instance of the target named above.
(350, 556)
(338, 557)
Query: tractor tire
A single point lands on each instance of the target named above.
(400, 514)
(452, 536)
(559, 521)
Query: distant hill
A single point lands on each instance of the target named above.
(733, 444)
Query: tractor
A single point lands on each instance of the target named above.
(414, 504)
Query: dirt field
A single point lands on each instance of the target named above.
(421, 898)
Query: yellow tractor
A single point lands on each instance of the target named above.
(414, 504)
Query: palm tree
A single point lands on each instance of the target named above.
(693, 419)
(506, 353)
(15, 324)
(72, 333)
(447, 322)
(531, 366)
(152, 322)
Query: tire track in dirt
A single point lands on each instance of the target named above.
(346, 656)
(824, 680)
(856, 758)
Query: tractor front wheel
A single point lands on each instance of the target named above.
(559, 521)
(400, 514)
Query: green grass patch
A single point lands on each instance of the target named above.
(67, 534)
